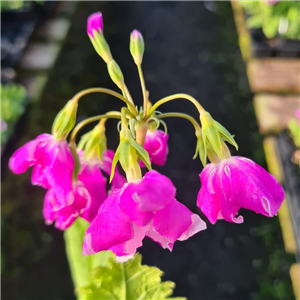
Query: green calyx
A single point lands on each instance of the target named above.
(65, 120)
(77, 165)
(137, 47)
(94, 142)
(213, 134)
(101, 46)
(200, 149)
(128, 153)
(116, 74)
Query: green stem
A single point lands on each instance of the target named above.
(177, 96)
(90, 120)
(128, 96)
(106, 91)
(143, 89)
(183, 116)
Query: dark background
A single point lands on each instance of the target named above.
(191, 47)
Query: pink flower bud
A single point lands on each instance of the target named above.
(234, 183)
(95, 22)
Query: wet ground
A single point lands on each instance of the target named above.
(191, 47)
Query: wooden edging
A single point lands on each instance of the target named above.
(271, 75)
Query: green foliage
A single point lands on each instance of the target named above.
(272, 17)
(12, 106)
(82, 266)
(127, 281)
(273, 279)
(17, 4)
(294, 129)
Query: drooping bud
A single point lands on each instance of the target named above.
(95, 33)
(137, 46)
(213, 133)
(94, 142)
(116, 74)
(65, 120)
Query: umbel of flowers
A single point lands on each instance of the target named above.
(143, 203)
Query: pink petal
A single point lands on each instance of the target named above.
(126, 250)
(25, 156)
(207, 201)
(140, 200)
(253, 187)
(95, 22)
(174, 222)
(95, 183)
(156, 144)
(109, 228)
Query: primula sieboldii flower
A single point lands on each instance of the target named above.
(235, 183)
(52, 163)
(95, 183)
(95, 22)
(147, 208)
(156, 144)
(64, 216)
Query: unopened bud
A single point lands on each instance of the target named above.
(116, 74)
(137, 46)
(95, 32)
(65, 120)
(213, 134)
(95, 23)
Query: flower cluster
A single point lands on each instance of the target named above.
(122, 214)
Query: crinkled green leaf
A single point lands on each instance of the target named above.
(127, 281)
(81, 266)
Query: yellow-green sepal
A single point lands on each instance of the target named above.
(65, 120)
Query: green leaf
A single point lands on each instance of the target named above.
(127, 281)
(81, 266)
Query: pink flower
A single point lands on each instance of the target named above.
(156, 144)
(66, 215)
(271, 2)
(52, 163)
(235, 183)
(147, 208)
(95, 183)
(95, 22)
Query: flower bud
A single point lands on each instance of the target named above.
(212, 135)
(95, 23)
(94, 143)
(137, 46)
(95, 32)
(65, 120)
(116, 74)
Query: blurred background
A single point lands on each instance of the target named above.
(191, 47)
